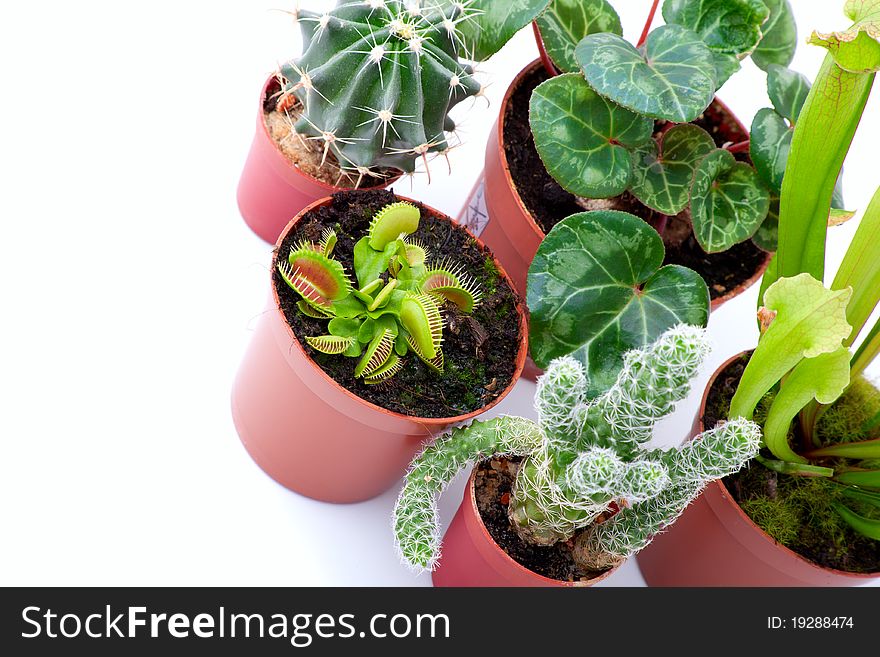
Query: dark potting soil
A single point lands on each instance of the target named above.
(549, 203)
(493, 483)
(796, 511)
(479, 350)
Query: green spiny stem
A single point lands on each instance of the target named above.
(377, 82)
(712, 455)
(584, 455)
(652, 381)
(416, 525)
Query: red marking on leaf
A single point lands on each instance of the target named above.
(321, 280)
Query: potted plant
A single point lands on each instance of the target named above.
(580, 133)
(564, 500)
(807, 511)
(369, 97)
(386, 323)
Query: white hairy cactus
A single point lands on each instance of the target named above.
(585, 458)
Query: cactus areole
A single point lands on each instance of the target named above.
(376, 82)
(399, 305)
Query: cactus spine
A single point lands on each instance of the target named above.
(377, 80)
(584, 456)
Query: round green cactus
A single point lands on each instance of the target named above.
(377, 80)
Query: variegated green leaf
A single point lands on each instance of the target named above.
(489, 24)
(769, 146)
(728, 202)
(767, 235)
(787, 90)
(672, 77)
(780, 36)
(582, 137)
(566, 22)
(856, 49)
(596, 289)
(663, 172)
(730, 28)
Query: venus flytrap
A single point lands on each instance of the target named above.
(584, 458)
(396, 305)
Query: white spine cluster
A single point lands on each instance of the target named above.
(584, 456)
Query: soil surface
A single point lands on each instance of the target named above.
(480, 350)
(549, 203)
(493, 484)
(796, 511)
(307, 155)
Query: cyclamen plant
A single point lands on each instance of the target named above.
(377, 80)
(395, 307)
(595, 125)
(585, 457)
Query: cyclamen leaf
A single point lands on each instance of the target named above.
(769, 147)
(596, 289)
(788, 91)
(725, 67)
(663, 173)
(671, 78)
(810, 320)
(728, 202)
(566, 22)
(856, 49)
(767, 235)
(489, 24)
(582, 137)
(780, 36)
(732, 27)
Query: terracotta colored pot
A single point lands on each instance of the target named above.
(471, 557)
(714, 543)
(496, 212)
(271, 190)
(312, 435)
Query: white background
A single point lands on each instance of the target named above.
(130, 286)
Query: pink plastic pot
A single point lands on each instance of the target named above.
(496, 212)
(312, 435)
(271, 190)
(471, 557)
(715, 543)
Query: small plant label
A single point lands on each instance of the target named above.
(475, 216)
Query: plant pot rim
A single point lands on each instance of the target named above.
(264, 129)
(517, 81)
(471, 499)
(505, 166)
(425, 421)
(726, 496)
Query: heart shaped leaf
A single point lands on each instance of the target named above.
(728, 202)
(596, 289)
(856, 49)
(566, 22)
(780, 36)
(582, 137)
(663, 172)
(672, 78)
(730, 28)
(769, 146)
(787, 90)
(486, 25)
